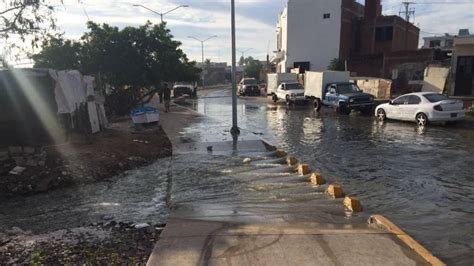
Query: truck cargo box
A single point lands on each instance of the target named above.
(316, 82)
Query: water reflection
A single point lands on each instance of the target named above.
(421, 178)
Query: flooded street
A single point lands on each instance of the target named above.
(423, 181)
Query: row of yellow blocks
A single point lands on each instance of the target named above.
(352, 203)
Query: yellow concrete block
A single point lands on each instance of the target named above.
(317, 179)
(291, 160)
(353, 204)
(303, 169)
(335, 191)
(281, 153)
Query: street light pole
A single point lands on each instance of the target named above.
(202, 52)
(158, 13)
(244, 51)
(235, 129)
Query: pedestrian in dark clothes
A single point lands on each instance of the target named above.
(160, 93)
(167, 98)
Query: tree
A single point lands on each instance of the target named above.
(253, 68)
(134, 60)
(337, 65)
(241, 61)
(59, 53)
(27, 18)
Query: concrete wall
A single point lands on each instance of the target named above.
(380, 88)
(310, 37)
(435, 78)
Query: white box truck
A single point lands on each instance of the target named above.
(275, 79)
(333, 89)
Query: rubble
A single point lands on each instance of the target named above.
(18, 170)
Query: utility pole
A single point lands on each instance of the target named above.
(202, 53)
(408, 13)
(244, 51)
(235, 129)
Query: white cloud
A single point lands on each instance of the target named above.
(255, 22)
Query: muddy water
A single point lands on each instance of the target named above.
(423, 181)
(137, 196)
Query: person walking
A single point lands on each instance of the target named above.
(167, 97)
(160, 93)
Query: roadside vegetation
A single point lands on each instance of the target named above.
(134, 61)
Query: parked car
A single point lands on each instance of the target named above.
(333, 89)
(290, 92)
(422, 108)
(180, 89)
(249, 87)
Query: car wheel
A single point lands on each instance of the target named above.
(381, 115)
(275, 98)
(317, 105)
(421, 120)
(367, 111)
(343, 109)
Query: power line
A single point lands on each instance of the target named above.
(408, 12)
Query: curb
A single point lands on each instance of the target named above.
(386, 224)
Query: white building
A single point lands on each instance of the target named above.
(445, 42)
(439, 42)
(308, 34)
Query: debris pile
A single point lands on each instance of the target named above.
(28, 169)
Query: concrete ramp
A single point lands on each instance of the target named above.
(197, 242)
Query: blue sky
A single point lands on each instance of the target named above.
(256, 20)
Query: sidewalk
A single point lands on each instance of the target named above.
(238, 231)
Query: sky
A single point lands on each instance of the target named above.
(255, 21)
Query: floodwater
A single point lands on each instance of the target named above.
(421, 180)
(136, 196)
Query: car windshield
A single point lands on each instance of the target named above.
(434, 98)
(250, 82)
(294, 86)
(347, 88)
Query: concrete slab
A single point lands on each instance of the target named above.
(195, 242)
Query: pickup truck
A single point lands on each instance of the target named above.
(333, 89)
(345, 97)
(249, 87)
(289, 91)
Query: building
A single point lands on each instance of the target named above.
(445, 42)
(462, 66)
(311, 33)
(439, 42)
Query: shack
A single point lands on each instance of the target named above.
(42, 106)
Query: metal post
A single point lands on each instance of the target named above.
(235, 129)
(202, 60)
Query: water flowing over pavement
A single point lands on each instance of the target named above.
(423, 181)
